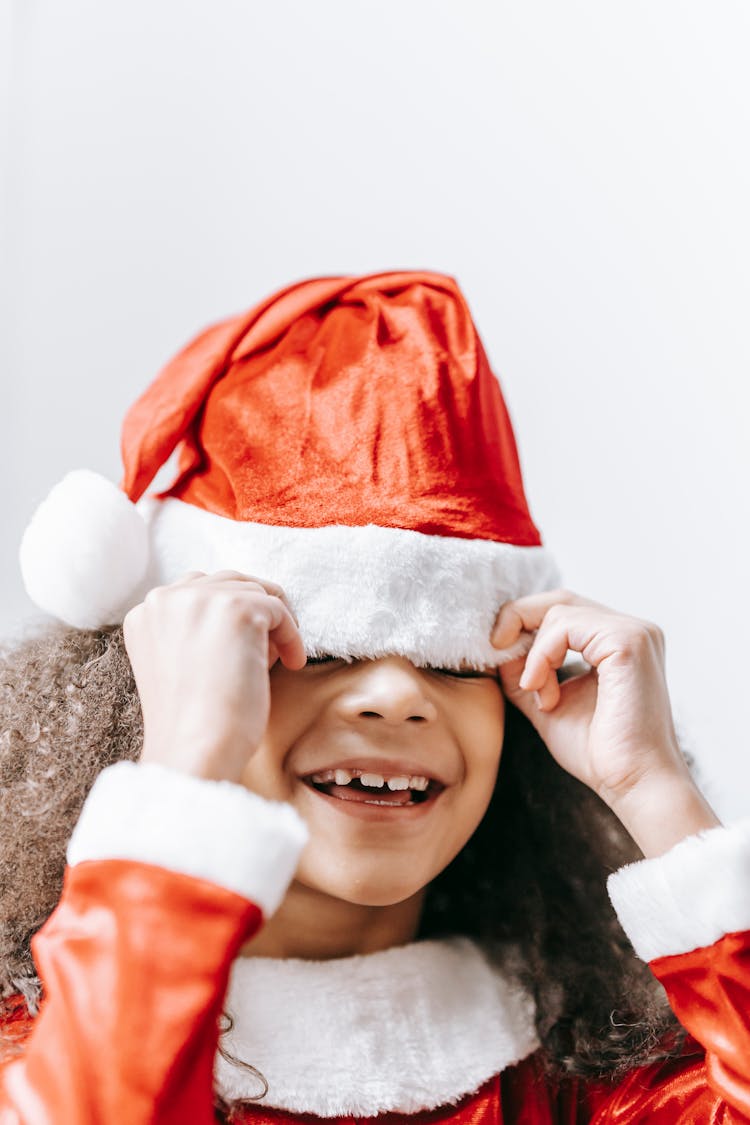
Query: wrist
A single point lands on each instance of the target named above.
(212, 760)
(662, 810)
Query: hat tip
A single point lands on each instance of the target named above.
(84, 551)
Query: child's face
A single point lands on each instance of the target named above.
(389, 718)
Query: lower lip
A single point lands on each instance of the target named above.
(384, 813)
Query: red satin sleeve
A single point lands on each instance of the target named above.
(127, 940)
(709, 991)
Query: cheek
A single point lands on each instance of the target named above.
(480, 731)
(264, 775)
(268, 771)
(479, 726)
(479, 784)
(295, 707)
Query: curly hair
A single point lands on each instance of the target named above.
(532, 878)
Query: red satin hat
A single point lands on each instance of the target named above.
(339, 401)
(346, 438)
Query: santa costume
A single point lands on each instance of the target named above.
(347, 439)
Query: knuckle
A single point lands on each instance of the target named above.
(249, 608)
(265, 584)
(275, 590)
(254, 618)
(555, 614)
(638, 637)
(563, 595)
(131, 618)
(656, 634)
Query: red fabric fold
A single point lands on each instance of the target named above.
(351, 400)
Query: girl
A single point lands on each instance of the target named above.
(337, 833)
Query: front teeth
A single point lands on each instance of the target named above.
(371, 780)
(398, 782)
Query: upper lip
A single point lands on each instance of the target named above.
(388, 767)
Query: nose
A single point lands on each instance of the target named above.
(390, 689)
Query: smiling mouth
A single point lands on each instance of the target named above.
(373, 789)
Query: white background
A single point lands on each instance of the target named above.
(581, 168)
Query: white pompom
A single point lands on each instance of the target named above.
(85, 551)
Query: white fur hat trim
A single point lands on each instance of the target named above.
(89, 555)
(362, 592)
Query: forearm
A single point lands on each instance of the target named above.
(168, 875)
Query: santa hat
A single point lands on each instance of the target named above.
(344, 438)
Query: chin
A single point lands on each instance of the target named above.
(378, 895)
(371, 888)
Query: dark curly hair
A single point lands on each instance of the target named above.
(531, 879)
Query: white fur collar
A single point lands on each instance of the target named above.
(410, 1028)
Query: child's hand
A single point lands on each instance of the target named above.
(201, 649)
(612, 727)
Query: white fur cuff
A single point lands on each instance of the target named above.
(689, 897)
(215, 830)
